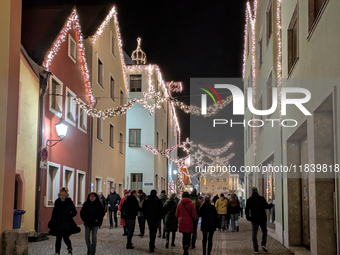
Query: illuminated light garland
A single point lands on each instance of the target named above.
(113, 13)
(279, 55)
(73, 21)
(187, 146)
(245, 47)
(173, 86)
(215, 152)
(139, 56)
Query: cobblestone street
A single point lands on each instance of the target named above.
(111, 241)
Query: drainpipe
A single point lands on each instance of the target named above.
(90, 149)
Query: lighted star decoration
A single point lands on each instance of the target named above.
(187, 146)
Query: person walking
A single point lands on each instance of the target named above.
(186, 214)
(113, 200)
(92, 214)
(129, 212)
(171, 221)
(256, 213)
(227, 218)
(122, 221)
(234, 210)
(209, 222)
(62, 224)
(153, 213)
(242, 204)
(163, 197)
(197, 202)
(222, 208)
(102, 199)
(215, 198)
(141, 220)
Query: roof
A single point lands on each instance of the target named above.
(127, 59)
(43, 20)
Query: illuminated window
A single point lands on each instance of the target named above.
(136, 83)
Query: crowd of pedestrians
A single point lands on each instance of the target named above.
(162, 214)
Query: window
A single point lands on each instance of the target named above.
(111, 135)
(224, 188)
(293, 41)
(70, 107)
(80, 198)
(211, 179)
(218, 189)
(121, 98)
(98, 185)
(162, 144)
(100, 129)
(269, 21)
(100, 73)
(56, 99)
(82, 119)
(217, 179)
(136, 83)
(224, 179)
(260, 53)
(112, 88)
(53, 182)
(314, 10)
(134, 137)
(269, 84)
(136, 181)
(121, 143)
(157, 140)
(68, 181)
(113, 44)
(72, 49)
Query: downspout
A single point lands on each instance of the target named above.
(90, 149)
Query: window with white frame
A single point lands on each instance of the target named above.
(56, 93)
(113, 44)
(80, 182)
(100, 72)
(112, 88)
(68, 180)
(121, 143)
(53, 182)
(100, 129)
(82, 119)
(72, 49)
(111, 136)
(98, 185)
(70, 107)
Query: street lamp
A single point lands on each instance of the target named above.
(174, 172)
(61, 129)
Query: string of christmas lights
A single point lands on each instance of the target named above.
(215, 152)
(279, 55)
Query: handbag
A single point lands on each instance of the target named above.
(193, 221)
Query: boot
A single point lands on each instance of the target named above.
(186, 250)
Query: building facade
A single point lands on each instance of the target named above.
(225, 183)
(106, 67)
(284, 49)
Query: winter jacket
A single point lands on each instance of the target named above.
(153, 208)
(62, 222)
(169, 209)
(185, 218)
(92, 213)
(163, 198)
(234, 207)
(141, 200)
(209, 217)
(215, 199)
(221, 205)
(130, 208)
(197, 202)
(256, 209)
(122, 221)
(104, 202)
(112, 200)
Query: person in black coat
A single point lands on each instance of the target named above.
(153, 213)
(208, 225)
(256, 213)
(103, 200)
(171, 222)
(62, 224)
(113, 200)
(129, 212)
(92, 214)
(215, 198)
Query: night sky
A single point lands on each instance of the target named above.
(188, 39)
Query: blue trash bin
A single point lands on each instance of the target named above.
(17, 218)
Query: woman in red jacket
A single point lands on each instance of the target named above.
(186, 214)
(122, 221)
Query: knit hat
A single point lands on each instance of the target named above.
(126, 192)
(140, 191)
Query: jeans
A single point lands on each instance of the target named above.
(115, 217)
(207, 236)
(58, 243)
(153, 225)
(234, 221)
(254, 229)
(222, 221)
(141, 222)
(186, 242)
(194, 234)
(91, 248)
(173, 236)
(130, 227)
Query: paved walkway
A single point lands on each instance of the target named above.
(111, 241)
